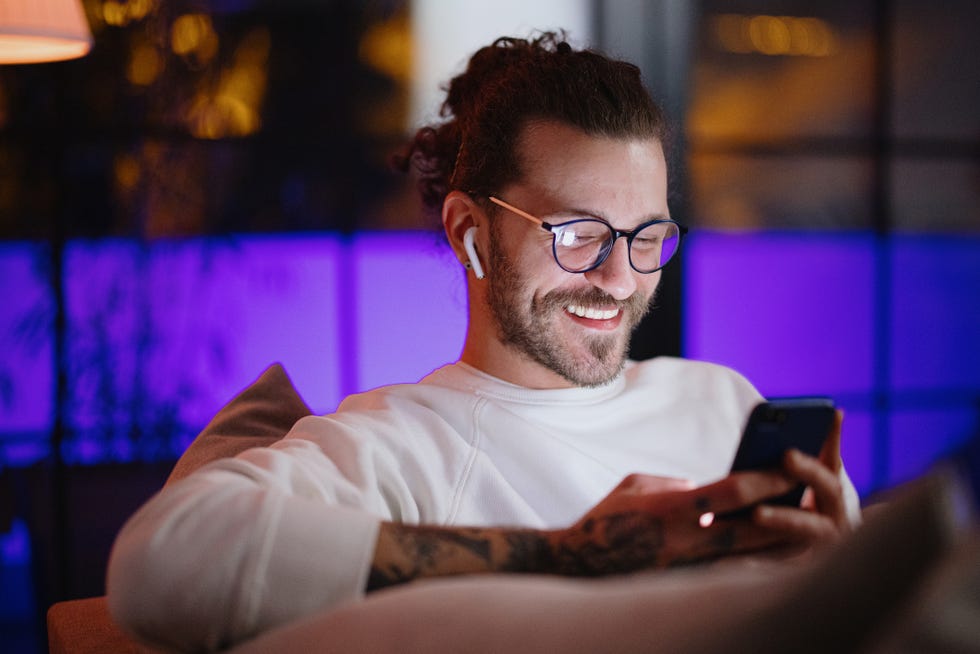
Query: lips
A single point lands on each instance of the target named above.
(592, 313)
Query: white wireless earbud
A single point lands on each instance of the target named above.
(471, 252)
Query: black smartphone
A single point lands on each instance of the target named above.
(777, 425)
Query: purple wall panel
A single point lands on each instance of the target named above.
(921, 436)
(26, 319)
(793, 312)
(162, 335)
(411, 309)
(289, 296)
(935, 321)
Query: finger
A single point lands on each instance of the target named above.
(741, 490)
(639, 484)
(828, 495)
(830, 452)
(804, 526)
(737, 536)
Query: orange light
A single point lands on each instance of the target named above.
(769, 35)
(231, 107)
(119, 13)
(387, 47)
(774, 35)
(194, 35)
(34, 31)
(145, 65)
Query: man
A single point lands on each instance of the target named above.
(542, 450)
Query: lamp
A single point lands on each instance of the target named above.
(33, 31)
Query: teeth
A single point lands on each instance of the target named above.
(591, 312)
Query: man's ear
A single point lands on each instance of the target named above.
(460, 214)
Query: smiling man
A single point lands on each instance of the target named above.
(542, 450)
(544, 325)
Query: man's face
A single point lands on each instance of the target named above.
(575, 325)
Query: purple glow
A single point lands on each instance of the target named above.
(935, 321)
(15, 544)
(920, 437)
(163, 335)
(793, 312)
(26, 322)
(411, 315)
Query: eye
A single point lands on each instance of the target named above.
(646, 241)
(567, 238)
(581, 235)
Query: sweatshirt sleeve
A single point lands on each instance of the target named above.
(237, 548)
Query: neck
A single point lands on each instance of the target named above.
(488, 354)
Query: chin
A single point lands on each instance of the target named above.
(594, 369)
(596, 377)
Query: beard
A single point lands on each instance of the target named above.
(530, 329)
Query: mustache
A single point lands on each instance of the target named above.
(634, 304)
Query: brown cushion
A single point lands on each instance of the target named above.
(83, 626)
(259, 415)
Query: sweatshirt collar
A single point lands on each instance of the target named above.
(463, 375)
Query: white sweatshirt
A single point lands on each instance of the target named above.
(246, 544)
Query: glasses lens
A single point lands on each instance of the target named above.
(580, 243)
(654, 245)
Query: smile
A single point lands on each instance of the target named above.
(592, 313)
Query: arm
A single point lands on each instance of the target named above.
(232, 551)
(645, 522)
(637, 526)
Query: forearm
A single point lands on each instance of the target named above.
(608, 545)
(637, 526)
(407, 552)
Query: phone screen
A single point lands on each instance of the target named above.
(781, 424)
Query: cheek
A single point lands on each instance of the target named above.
(648, 284)
(540, 273)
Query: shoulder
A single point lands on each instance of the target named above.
(438, 392)
(395, 418)
(686, 372)
(697, 385)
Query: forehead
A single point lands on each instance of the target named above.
(579, 170)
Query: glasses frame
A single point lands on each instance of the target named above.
(603, 255)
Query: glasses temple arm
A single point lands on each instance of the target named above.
(519, 212)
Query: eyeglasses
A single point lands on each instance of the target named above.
(582, 244)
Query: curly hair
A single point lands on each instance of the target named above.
(505, 86)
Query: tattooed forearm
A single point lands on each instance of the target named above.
(406, 552)
(611, 544)
(602, 543)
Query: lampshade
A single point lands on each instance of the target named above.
(42, 30)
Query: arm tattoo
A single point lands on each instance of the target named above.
(600, 545)
(616, 543)
(424, 551)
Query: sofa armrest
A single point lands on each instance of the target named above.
(83, 626)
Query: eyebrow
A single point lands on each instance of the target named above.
(570, 213)
(584, 213)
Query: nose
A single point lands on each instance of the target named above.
(615, 276)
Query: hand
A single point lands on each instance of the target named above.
(823, 518)
(642, 523)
